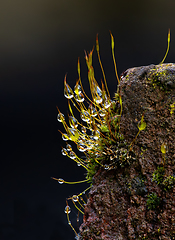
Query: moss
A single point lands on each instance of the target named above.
(153, 201)
(158, 175)
(168, 182)
(172, 108)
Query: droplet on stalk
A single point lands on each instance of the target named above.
(77, 88)
(64, 152)
(81, 147)
(106, 102)
(79, 97)
(102, 113)
(65, 137)
(92, 110)
(73, 122)
(68, 147)
(60, 181)
(85, 116)
(60, 117)
(68, 93)
(98, 95)
(96, 134)
(75, 198)
(83, 129)
(72, 155)
(67, 210)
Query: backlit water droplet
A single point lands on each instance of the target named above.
(106, 167)
(83, 129)
(60, 181)
(72, 155)
(107, 103)
(64, 152)
(69, 147)
(67, 210)
(60, 117)
(92, 110)
(68, 93)
(102, 113)
(75, 198)
(98, 95)
(81, 147)
(95, 135)
(77, 89)
(79, 97)
(85, 116)
(65, 137)
(73, 122)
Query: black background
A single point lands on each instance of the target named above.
(40, 41)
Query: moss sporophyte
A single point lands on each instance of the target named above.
(97, 133)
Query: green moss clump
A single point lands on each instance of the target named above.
(158, 175)
(153, 201)
(168, 182)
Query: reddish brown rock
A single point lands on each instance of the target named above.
(138, 201)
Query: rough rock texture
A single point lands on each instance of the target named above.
(138, 201)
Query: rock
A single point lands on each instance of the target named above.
(138, 201)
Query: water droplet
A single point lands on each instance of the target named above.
(67, 210)
(75, 198)
(90, 145)
(64, 152)
(60, 117)
(73, 122)
(96, 135)
(60, 181)
(92, 110)
(69, 222)
(81, 147)
(68, 93)
(106, 167)
(65, 137)
(83, 129)
(102, 113)
(107, 103)
(98, 95)
(85, 116)
(72, 155)
(77, 89)
(68, 147)
(79, 97)
(78, 164)
(98, 99)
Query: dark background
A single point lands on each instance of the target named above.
(40, 41)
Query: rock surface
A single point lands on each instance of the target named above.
(138, 201)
